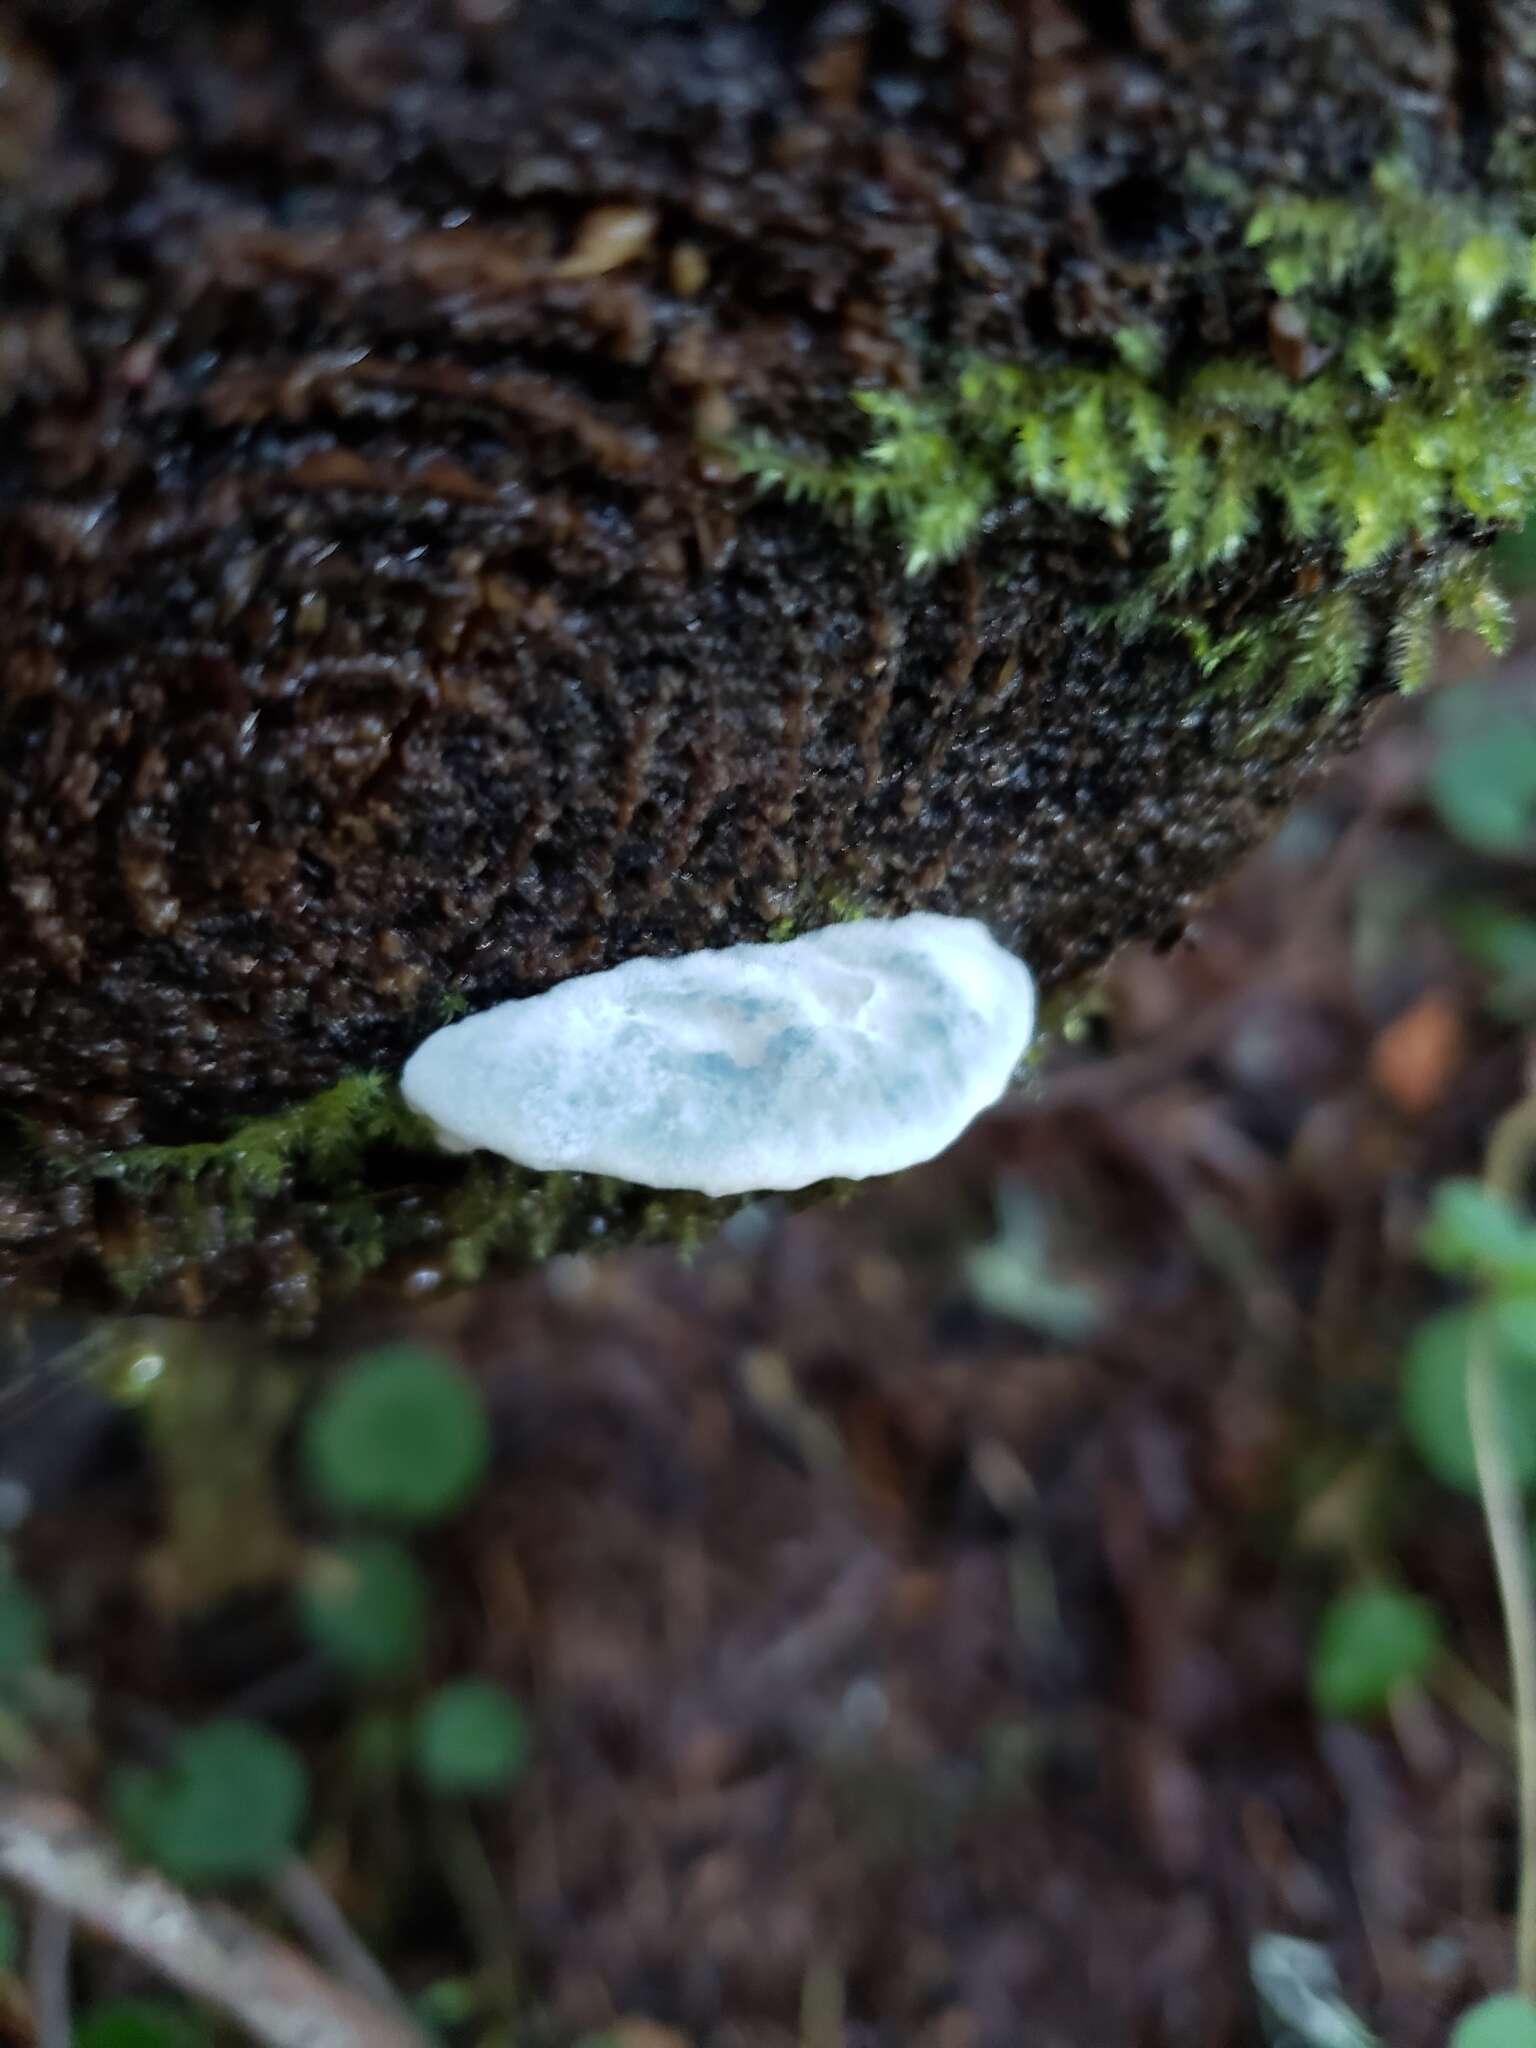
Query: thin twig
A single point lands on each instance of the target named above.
(1511, 1563)
(1510, 1152)
(48, 1947)
(329, 1933)
(52, 1850)
(1475, 1704)
(472, 1880)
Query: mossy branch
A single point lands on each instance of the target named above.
(366, 1180)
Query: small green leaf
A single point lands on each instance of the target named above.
(402, 1435)
(23, 1629)
(1503, 944)
(228, 1805)
(1503, 2022)
(1368, 1644)
(1434, 1396)
(1475, 1234)
(1484, 787)
(451, 2002)
(366, 1603)
(472, 1736)
(10, 1937)
(140, 2023)
(1512, 1320)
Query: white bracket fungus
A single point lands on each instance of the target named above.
(855, 1050)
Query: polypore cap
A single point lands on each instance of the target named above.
(855, 1050)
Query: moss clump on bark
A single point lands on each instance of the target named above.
(326, 1139)
(1394, 406)
(317, 1200)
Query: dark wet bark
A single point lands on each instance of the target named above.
(374, 623)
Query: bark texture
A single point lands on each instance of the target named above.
(377, 620)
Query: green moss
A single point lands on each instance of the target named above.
(327, 1137)
(1067, 1017)
(817, 906)
(324, 1193)
(1405, 417)
(1318, 645)
(497, 1211)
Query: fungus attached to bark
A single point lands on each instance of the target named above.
(852, 1051)
(403, 597)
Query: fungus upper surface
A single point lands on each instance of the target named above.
(852, 1051)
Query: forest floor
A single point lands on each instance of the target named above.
(915, 1601)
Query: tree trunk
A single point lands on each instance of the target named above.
(385, 618)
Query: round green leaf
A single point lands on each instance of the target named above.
(140, 2023)
(451, 2003)
(1474, 1232)
(1434, 1393)
(23, 1630)
(1484, 786)
(1513, 1321)
(1368, 1644)
(366, 1603)
(228, 1805)
(1503, 2022)
(472, 1737)
(401, 1435)
(1502, 943)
